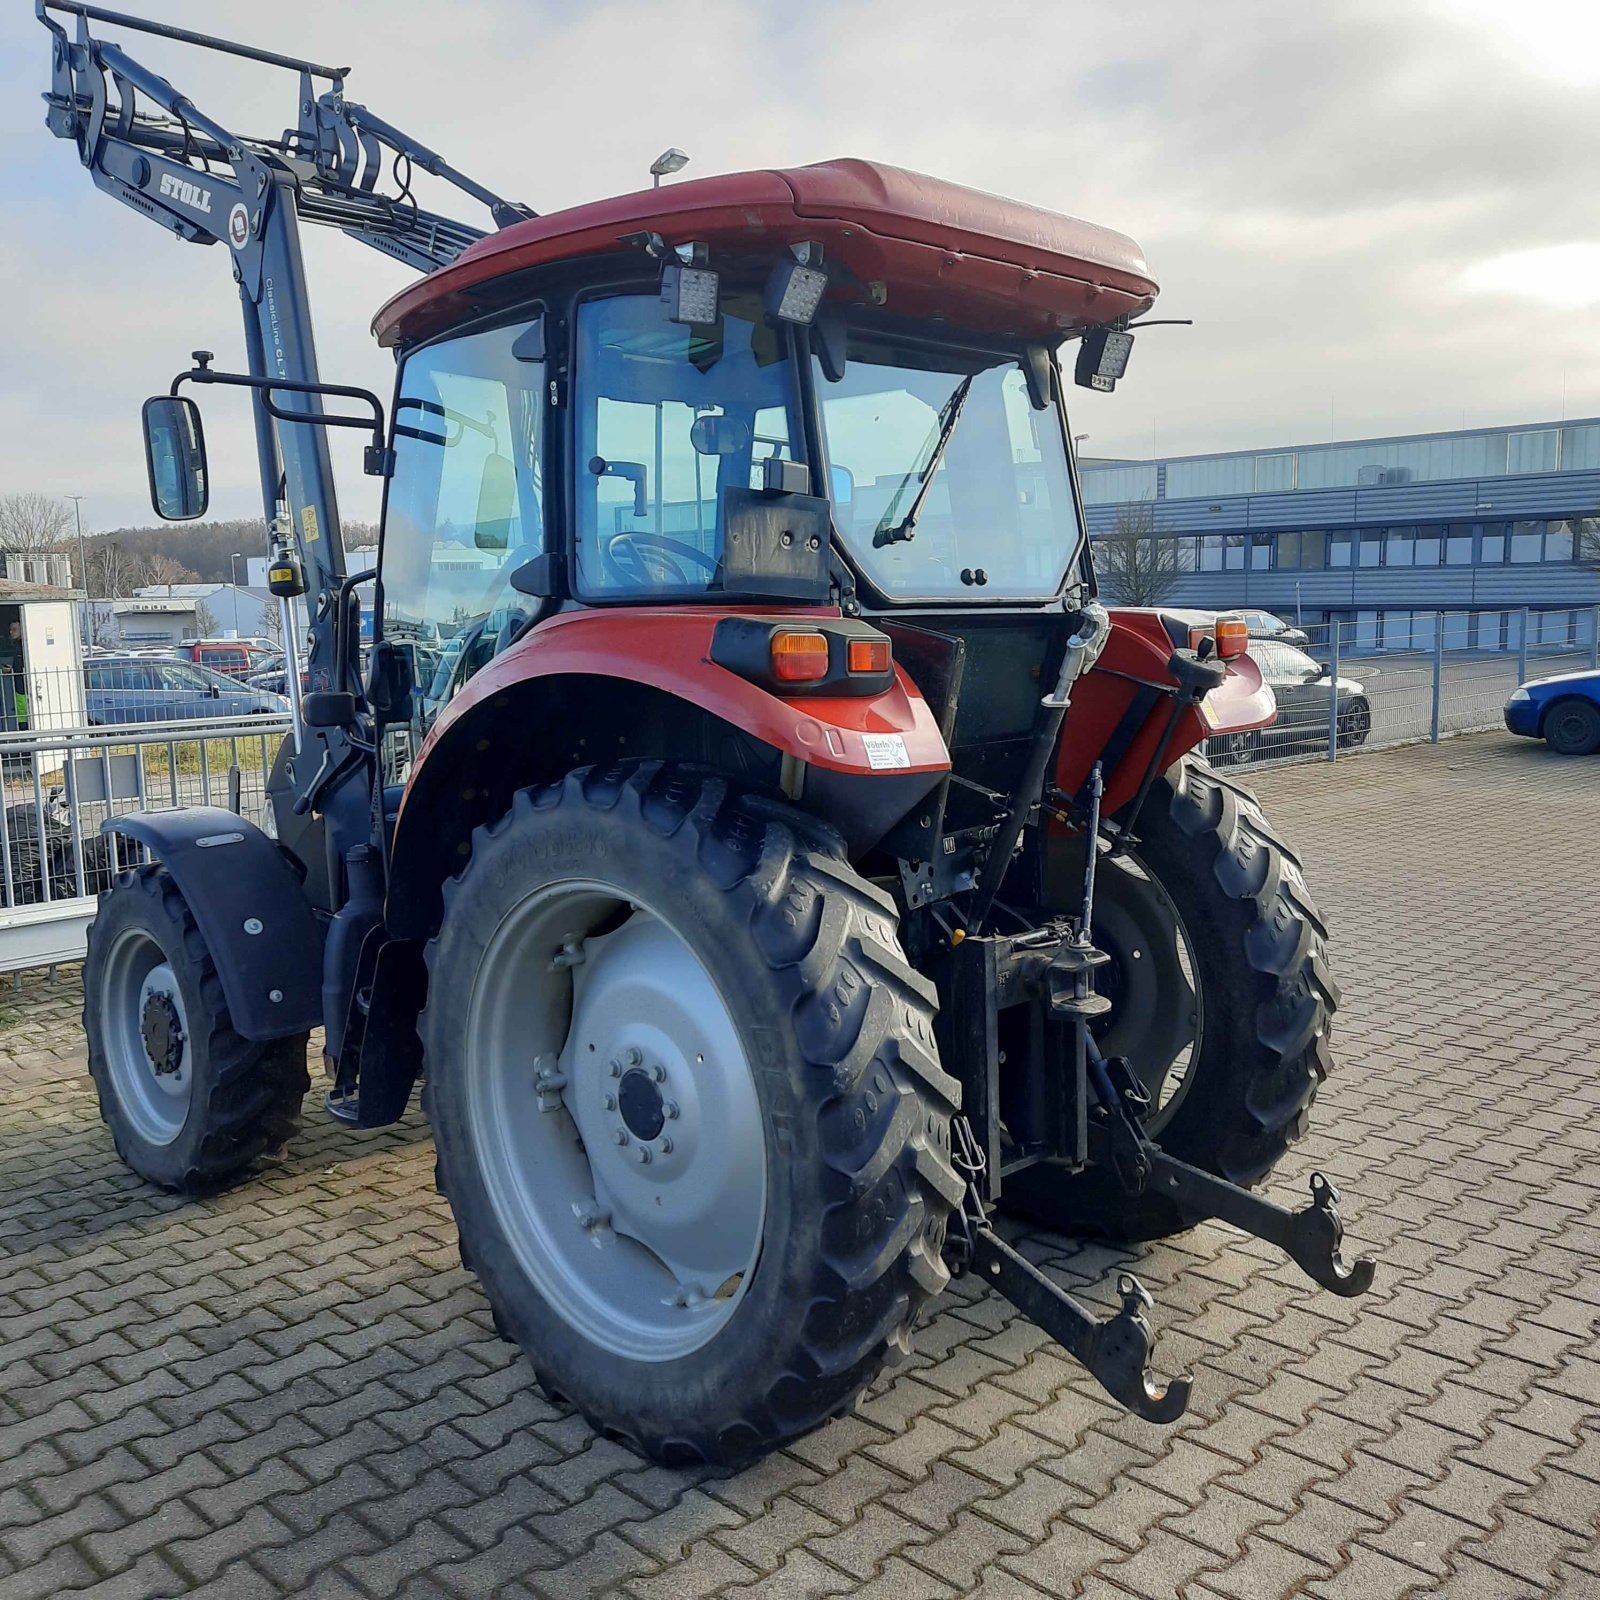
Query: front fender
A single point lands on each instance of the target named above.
(250, 908)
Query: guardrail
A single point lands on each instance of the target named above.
(1435, 674)
(61, 784)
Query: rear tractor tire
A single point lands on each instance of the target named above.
(191, 1105)
(688, 1109)
(1232, 1040)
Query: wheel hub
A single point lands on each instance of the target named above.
(162, 1031)
(640, 1102)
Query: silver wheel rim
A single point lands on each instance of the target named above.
(149, 1048)
(615, 1119)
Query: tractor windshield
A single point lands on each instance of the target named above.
(946, 481)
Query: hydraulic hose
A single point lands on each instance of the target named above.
(1091, 629)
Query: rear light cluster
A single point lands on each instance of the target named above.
(1231, 636)
(840, 658)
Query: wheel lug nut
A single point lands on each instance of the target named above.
(671, 1109)
(644, 1154)
(666, 1144)
(621, 1136)
(616, 1068)
(659, 1073)
(611, 1102)
(634, 1055)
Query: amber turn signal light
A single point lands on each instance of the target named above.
(799, 657)
(1233, 637)
(868, 655)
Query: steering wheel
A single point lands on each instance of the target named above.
(651, 560)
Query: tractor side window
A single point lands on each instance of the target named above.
(464, 507)
(668, 417)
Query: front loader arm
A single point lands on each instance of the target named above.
(147, 145)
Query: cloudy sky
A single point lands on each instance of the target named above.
(1382, 216)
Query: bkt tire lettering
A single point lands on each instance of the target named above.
(189, 194)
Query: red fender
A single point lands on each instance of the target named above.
(669, 648)
(1135, 656)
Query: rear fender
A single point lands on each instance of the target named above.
(1120, 709)
(251, 909)
(601, 685)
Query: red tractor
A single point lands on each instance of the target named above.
(750, 829)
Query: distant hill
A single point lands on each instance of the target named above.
(204, 547)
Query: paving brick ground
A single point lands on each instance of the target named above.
(294, 1389)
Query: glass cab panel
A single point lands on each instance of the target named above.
(465, 506)
(668, 417)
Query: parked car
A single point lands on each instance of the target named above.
(1301, 687)
(1563, 710)
(148, 689)
(1264, 625)
(233, 658)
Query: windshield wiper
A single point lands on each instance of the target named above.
(948, 418)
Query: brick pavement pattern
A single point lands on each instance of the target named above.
(294, 1388)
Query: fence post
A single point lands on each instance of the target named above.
(1522, 648)
(1594, 639)
(1333, 691)
(1438, 673)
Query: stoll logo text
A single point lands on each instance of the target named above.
(190, 194)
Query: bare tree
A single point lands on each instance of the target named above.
(32, 524)
(1135, 567)
(111, 571)
(1588, 529)
(156, 567)
(206, 620)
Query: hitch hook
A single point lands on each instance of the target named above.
(1315, 1237)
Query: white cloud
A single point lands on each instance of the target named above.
(1565, 275)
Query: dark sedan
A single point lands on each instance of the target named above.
(1301, 687)
(148, 689)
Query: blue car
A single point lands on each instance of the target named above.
(152, 689)
(1564, 711)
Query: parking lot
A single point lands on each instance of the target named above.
(294, 1389)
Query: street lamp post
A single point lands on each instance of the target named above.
(233, 577)
(83, 559)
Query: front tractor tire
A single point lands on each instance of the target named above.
(191, 1105)
(688, 1109)
(1232, 1041)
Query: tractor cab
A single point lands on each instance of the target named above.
(769, 387)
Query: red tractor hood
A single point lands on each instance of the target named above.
(937, 249)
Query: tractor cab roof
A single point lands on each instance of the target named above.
(920, 246)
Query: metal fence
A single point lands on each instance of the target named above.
(60, 785)
(1424, 676)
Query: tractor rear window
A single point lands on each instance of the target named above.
(669, 416)
(946, 481)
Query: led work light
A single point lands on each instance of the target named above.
(797, 285)
(1102, 359)
(689, 288)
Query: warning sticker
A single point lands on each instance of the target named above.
(885, 750)
(308, 524)
(238, 227)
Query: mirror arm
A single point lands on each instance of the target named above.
(378, 459)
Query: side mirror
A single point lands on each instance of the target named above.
(175, 456)
(843, 483)
(1323, 670)
(216, 691)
